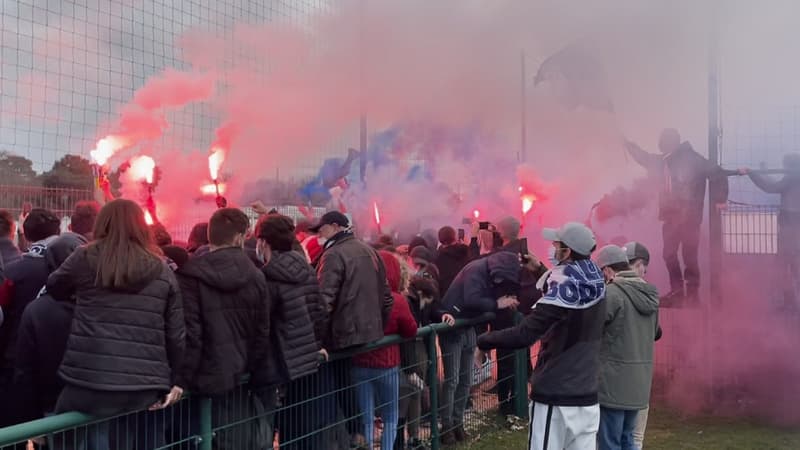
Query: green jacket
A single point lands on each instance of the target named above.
(626, 356)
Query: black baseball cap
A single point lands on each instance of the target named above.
(331, 218)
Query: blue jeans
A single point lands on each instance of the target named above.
(378, 388)
(458, 350)
(616, 429)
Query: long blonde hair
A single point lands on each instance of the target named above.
(123, 245)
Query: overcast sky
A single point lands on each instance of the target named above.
(65, 69)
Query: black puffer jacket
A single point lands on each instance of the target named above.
(121, 340)
(354, 289)
(226, 306)
(298, 320)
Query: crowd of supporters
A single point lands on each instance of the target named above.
(115, 317)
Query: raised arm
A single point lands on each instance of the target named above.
(647, 160)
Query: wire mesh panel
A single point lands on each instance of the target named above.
(68, 67)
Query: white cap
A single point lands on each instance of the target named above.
(574, 235)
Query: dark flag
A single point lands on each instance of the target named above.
(580, 76)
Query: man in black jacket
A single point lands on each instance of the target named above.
(353, 283)
(355, 292)
(569, 319)
(682, 173)
(298, 331)
(226, 308)
(485, 285)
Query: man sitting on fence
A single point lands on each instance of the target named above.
(569, 319)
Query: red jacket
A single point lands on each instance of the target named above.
(401, 322)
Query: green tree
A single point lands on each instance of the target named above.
(71, 171)
(16, 170)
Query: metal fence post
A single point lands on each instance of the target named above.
(433, 386)
(521, 383)
(521, 361)
(206, 428)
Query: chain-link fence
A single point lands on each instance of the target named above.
(67, 67)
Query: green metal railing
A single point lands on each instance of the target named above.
(317, 412)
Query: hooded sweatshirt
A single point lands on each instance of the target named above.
(450, 260)
(626, 357)
(569, 321)
(226, 307)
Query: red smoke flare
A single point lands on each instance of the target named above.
(142, 168)
(106, 148)
(211, 189)
(527, 203)
(148, 218)
(377, 214)
(476, 214)
(215, 160)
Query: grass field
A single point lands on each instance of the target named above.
(667, 430)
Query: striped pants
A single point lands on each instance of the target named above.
(563, 427)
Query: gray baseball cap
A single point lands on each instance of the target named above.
(610, 255)
(574, 235)
(637, 250)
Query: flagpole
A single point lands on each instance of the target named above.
(523, 111)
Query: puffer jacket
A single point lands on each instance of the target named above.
(120, 340)
(298, 322)
(352, 281)
(626, 356)
(569, 321)
(401, 322)
(226, 306)
(473, 291)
